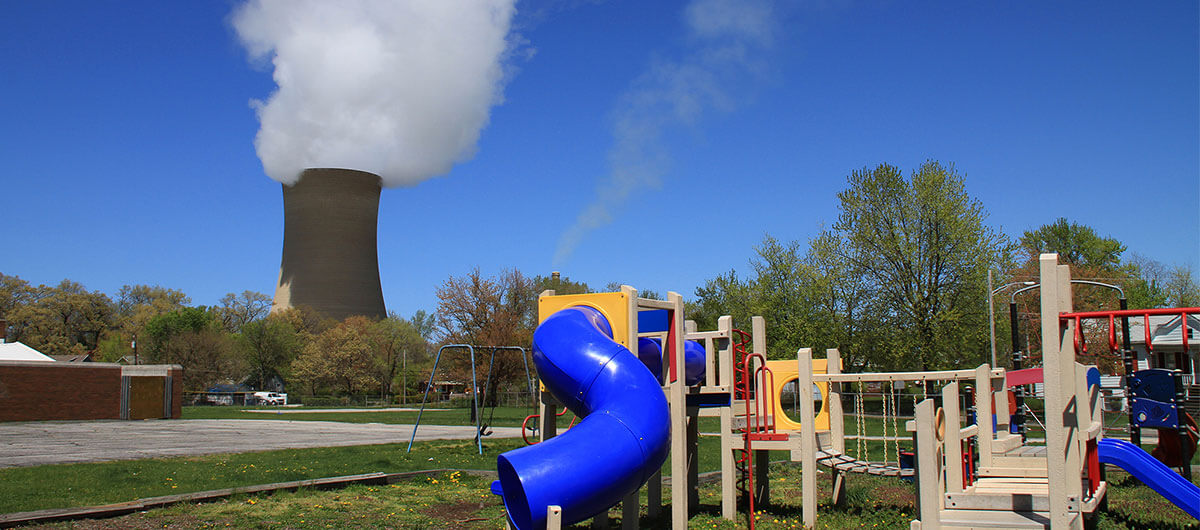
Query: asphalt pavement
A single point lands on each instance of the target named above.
(60, 442)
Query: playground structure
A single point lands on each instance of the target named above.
(1058, 485)
(633, 419)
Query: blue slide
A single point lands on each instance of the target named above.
(621, 441)
(1152, 473)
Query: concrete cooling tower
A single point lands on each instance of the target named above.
(330, 261)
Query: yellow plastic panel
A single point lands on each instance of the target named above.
(784, 372)
(614, 307)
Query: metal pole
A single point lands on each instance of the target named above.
(991, 319)
(1135, 432)
(1018, 392)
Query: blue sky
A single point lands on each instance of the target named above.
(128, 151)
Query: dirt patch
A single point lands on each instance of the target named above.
(137, 521)
(458, 515)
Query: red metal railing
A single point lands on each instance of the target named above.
(1081, 345)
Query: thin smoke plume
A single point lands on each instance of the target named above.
(400, 89)
(727, 38)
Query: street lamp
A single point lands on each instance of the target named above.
(992, 312)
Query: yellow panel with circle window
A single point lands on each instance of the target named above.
(784, 372)
(614, 307)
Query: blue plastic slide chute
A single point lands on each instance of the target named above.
(621, 441)
(650, 352)
(1151, 472)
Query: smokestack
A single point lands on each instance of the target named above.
(330, 261)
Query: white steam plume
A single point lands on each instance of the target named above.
(728, 37)
(400, 89)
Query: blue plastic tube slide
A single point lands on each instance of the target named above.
(650, 351)
(621, 441)
(1152, 473)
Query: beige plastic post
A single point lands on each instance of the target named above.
(553, 517)
(837, 423)
(762, 459)
(631, 509)
(729, 439)
(1063, 460)
(679, 483)
(929, 469)
(808, 438)
(983, 415)
(547, 406)
(953, 441)
(631, 504)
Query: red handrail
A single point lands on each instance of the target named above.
(524, 424)
(1081, 344)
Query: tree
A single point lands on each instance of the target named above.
(425, 324)
(846, 312)
(136, 305)
(65, 319)
(393, 340)
(560, 285)
(207, 356)
(923, 248)
(780, 294)
(238, 310)
(161, 329)
(612, 287)
(1076, 244)
(724, 295)
(339, 359)
(1182, 289)
(14, 292)
(268, 346)
(487, 311)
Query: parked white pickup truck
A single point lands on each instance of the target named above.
(271, 398)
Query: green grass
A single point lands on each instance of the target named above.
(462, 501)
(68, 485)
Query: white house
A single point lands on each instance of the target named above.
(1166, 338)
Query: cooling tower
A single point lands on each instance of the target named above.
(330, 262)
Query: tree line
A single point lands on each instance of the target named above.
(897, 282)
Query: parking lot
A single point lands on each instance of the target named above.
(59, 442)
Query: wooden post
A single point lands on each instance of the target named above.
(808, 438)
(1063, 462)
(837, 422)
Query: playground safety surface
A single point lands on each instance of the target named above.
(62, 442)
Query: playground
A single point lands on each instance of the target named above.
(644, 420)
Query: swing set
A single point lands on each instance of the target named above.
(482, 427)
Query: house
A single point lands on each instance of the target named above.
(1167, 333)
(16, 351)
(1166, 344)
(81, 358)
